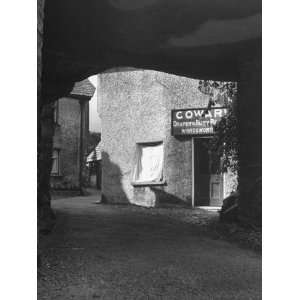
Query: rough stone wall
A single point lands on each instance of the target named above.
(40, 30)
(128, 117)
(250, 117)
(67, 140)
(135, 106)
(44, 136)
(180, 92)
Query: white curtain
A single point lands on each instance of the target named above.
(149, 163)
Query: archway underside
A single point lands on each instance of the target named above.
(218, 40)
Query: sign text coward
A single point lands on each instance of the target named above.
(196, 121)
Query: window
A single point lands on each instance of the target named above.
(148, 167)
(55, 162)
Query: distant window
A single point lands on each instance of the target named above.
(55, 162)
(55, 113)
(148, 163)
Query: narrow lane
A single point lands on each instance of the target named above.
(127, 252)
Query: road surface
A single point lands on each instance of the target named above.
(127, 252)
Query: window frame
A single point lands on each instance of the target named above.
(136, 157)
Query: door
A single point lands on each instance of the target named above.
(208, 184)
(216, 181)
(216, 190)
(201, 173)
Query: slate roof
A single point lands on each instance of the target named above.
(83, 88)
(95, 154)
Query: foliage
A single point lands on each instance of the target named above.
(219, 92)
(225, 142)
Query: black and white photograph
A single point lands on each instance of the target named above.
(148, 127)
(149, 150)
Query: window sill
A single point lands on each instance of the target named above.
(147, 183)
(56, 175)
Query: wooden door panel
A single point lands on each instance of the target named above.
(201, 174)
(201, 196)
(208, 186)
(216, 190)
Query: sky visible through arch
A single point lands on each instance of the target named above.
(95, 123)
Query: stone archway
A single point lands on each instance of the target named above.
(210, 40)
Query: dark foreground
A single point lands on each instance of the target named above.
(127, 252)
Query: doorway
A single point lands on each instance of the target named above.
(207, 182)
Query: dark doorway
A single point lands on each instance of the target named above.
(208, 184)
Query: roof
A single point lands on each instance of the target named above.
(83, 88)
(95, 154)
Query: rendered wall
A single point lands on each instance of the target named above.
(135, 106)
(67, 140)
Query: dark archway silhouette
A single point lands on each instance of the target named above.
(80, 39)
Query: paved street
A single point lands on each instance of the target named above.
(127, 252)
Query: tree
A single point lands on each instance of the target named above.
(225, 142)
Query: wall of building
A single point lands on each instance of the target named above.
(250, 116)
(67, 140)
(135, 107)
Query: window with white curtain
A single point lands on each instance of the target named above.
(149, 163)
(55, 162)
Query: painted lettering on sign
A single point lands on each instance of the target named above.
(196, 121)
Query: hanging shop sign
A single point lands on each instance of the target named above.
(196, 121)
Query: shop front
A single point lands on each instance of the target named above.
(198, 124)
(155, 133)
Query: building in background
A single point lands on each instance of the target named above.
(71, 117)
(94, 165)
(154, 135)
